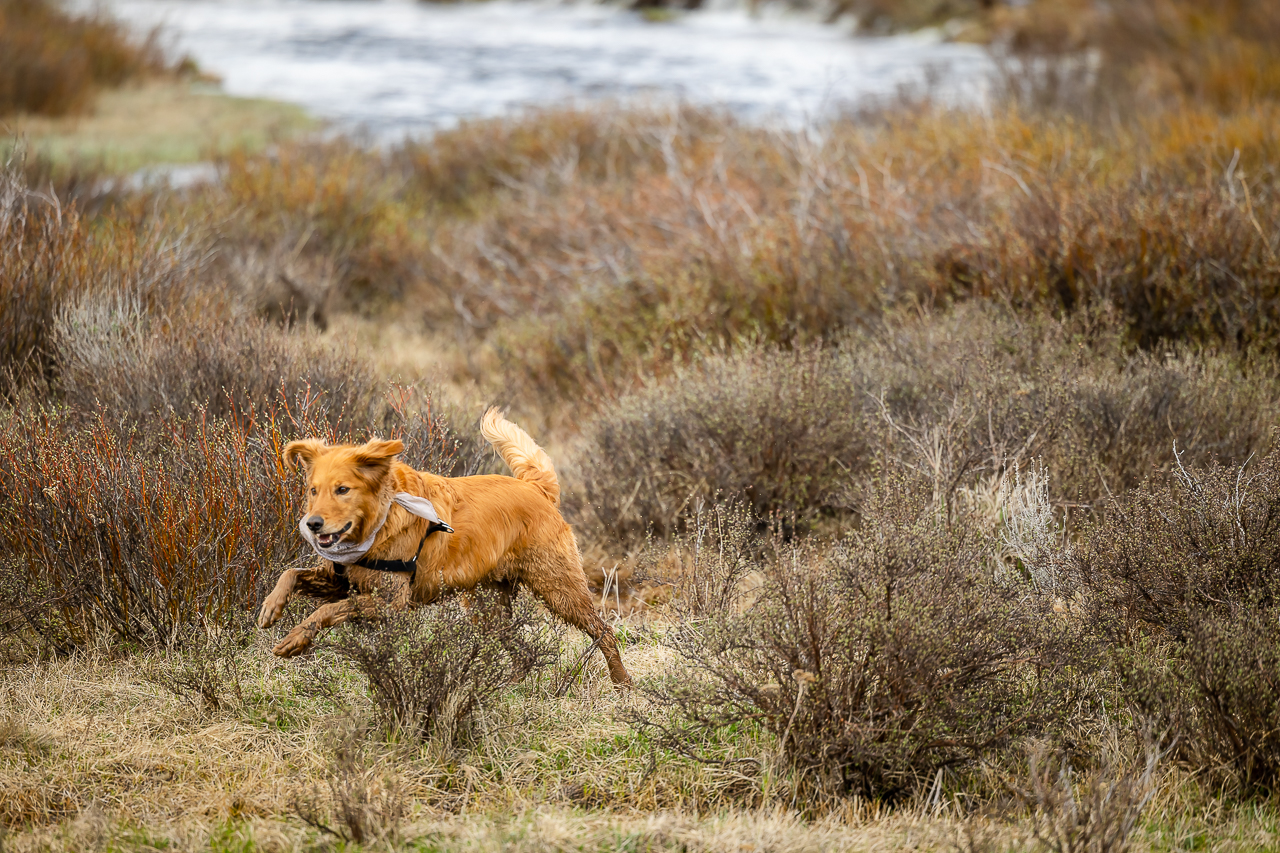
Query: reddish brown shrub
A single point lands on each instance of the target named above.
(53, 256)
(52, 62)
(145, 533)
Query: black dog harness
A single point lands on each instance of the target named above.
(404, 566)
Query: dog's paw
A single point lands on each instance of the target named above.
(271, 611)
(296, 642)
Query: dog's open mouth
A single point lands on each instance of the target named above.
(328, 540)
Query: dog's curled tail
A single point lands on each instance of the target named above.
(523, 456)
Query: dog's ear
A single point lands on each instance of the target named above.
(304, 451)
(375, 457)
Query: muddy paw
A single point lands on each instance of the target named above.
(271, 610)
(297, 642)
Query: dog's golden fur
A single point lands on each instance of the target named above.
(507, 531)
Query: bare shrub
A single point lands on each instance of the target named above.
(1217, 693)
(284, 287)
(147, 533)
(713, 560)
(539, 151)
(1095, 814)
(52, 256)
(430, 670)
(334, 208)
(1203, 543)
(774, 429)
(202, 665)
(880, 17)
(366, 216)
(963, 399)
(579, 251)
(1017, 507)
(783, 239)
(1151, 54)
(99, 536)
(114, 357)
(878, 660)
(1183, 579)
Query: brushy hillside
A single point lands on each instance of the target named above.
(926, 465)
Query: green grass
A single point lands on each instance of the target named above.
(168, 122)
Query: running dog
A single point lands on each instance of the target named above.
(377, 523)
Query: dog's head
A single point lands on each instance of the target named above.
(347, 486)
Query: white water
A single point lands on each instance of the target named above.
(394, 67)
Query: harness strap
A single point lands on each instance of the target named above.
(410, 566)
(340, 572)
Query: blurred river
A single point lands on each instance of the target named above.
(393, 67)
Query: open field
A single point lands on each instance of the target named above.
(926, 467)
(130, 766)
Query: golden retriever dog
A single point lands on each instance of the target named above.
(378, 524)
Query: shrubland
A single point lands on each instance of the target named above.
(938, 442)
(963, 399)
(594, 264)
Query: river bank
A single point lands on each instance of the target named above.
(394, 68)
(159, 122)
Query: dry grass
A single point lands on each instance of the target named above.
(107, 760)
(131, 750)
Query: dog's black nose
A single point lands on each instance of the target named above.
(315, 522)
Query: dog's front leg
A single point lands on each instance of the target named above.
(299, 639)
(279, 597)
(318, 582)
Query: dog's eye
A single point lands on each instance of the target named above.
(342, 490)
(314, 491)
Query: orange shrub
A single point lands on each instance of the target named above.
(146, 533)
(52, 62)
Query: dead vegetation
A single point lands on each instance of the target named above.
(869, 435)
(430, 672)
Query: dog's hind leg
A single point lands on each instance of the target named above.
(579, 612)
(556, 577)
